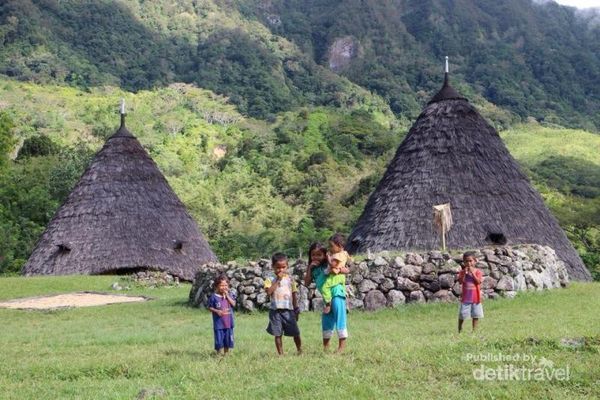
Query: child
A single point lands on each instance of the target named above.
(334, 312)
(470, 278)
(317, 264)
(337, 255)
(284, 311)
(221, 304)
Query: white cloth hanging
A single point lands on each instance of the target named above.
(442, 218)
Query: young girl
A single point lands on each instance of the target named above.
(470, 277)
(317, 263)
(221, 304)
(331, 285)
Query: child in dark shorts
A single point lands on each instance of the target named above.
(221, 304)
(284, 311)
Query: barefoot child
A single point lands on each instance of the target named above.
(284, 311)
(334, 292)
(470, 300)
(334, 312)
(221, 304)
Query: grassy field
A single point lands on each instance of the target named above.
(532, 143)
(116, 351)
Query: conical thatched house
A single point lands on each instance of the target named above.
(121, 216)
(452, 155)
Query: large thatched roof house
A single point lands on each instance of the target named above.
(452, 155)
(122, 215)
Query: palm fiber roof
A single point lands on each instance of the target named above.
(452, 155)
(122, 215)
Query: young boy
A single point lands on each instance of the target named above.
(334, 312)
(221, 304)
(284, 312)
(470, 278)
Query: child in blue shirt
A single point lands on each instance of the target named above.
(221, 304)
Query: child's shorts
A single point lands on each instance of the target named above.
(470, 310)
(223, 338)
(283, 322)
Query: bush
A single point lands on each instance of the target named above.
(39, 145)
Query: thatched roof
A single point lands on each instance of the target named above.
(452, 155)
(122, 215)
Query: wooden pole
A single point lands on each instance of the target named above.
(443, 235)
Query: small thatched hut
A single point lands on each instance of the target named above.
(452, 155)
(121, 216)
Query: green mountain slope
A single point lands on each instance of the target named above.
(140, 45)
(536, 60)
(271, 56)
(252, 186)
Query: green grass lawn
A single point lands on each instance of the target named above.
(115, 351)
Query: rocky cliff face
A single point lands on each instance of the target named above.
(341, 53)
(388, 281)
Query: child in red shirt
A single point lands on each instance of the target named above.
(470, 300)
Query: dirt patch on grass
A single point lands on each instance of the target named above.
(79, 299)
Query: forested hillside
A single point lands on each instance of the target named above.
(273, 120)
(253, 186)
(268, 56)
(537, 60)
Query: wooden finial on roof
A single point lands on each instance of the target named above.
(446, 72)
(122, 112)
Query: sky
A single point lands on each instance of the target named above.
(579, 3)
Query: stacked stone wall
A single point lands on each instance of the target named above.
(389, 281)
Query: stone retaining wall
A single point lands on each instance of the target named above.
(385, 280)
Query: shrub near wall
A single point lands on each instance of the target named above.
(387, 281)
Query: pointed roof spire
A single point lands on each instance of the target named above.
(446, 72)
(122, 112)
(447, 92)
(122, 131)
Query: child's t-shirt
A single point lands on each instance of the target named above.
(220, 302)
(342, 257)
(470, 290)
(281, 298)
